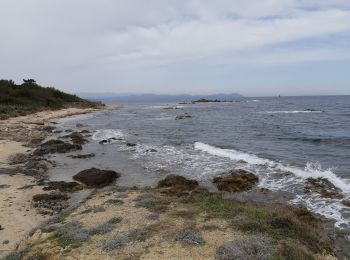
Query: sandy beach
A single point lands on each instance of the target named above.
(17, 135)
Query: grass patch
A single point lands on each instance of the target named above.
(276, 221)
(65, 240)
(288, 250)
(190, 237)
(152, 202)
(95, 209)
(255, 247)
(125, 238)
(18, 255)
(105, 228)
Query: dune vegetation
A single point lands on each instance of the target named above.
(29, 97)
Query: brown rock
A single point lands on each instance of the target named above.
(56, 146)
(96, 178)
(322, 186)
(63, 186)
(82, 156)
(184, 116)
(237, 180)
(177, 181)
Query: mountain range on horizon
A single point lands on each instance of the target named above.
(148, 97)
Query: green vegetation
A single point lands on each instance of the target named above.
(294, 230)
(152, 202)
(29, 97)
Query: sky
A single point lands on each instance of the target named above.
(253, 47)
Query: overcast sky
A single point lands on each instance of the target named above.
(254, 47)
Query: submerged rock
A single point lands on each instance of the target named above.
(96, 178)
(109, 140)
(322, 186)
(56, 146)
(82, 156)
(184, 116)
(237, 180)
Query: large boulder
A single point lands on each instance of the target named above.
(56, 146)
(177, 181)
(322, 186)
(180, 186)
(96, 178)
(236, 180)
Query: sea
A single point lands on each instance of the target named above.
(283, 140)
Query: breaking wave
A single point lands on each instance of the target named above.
(104, 134)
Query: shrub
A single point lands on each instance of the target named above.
(256, 247)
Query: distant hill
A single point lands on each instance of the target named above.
(29, 97)
(110, 97)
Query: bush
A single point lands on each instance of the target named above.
(29, 97)
(256, 247)
(190, 237)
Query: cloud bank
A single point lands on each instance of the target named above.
(254, 47)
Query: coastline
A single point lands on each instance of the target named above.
(114, 201)
(20, 135)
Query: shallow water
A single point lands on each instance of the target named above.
(307, 136)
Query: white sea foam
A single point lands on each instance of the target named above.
(311, 170)
(233, 154)
(271, 178)
(104, 134)
(291, 112)
(325, 207)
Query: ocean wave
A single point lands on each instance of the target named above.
(104, 134)
(311, 170)
(272, 179)
(291, 112)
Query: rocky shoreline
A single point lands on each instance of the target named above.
(178, 217)
(23, 172)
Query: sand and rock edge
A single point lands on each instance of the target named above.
(20, 175)
(177, 220)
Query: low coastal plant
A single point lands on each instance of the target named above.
(190, 237)
(125, 238)
(17, 255)
(255, 247)
(277, 221)
(94, 209)
(72, 233)
(150, 201)
(105, 228)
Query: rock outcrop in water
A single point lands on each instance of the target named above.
(96, 178)
(82, 156)
(237, 180)
(56, 146)
(179, 186)
(322, 186)
(77, 138)
(184, 116)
